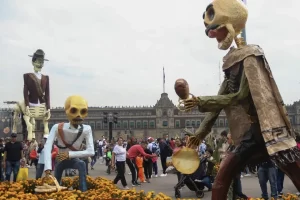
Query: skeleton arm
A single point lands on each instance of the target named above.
(89, 151)
(215, 104)
(210, 118)
(218, 102)
(25, 90)
(48, 148)
(47, 94)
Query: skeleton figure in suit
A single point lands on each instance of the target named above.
(36, 103)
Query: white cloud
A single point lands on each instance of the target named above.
(112, 52)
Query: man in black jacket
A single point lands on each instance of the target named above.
(13, 153)
(165, 151)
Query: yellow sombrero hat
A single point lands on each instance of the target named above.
(186, 160)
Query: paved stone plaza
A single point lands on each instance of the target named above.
(166, 184)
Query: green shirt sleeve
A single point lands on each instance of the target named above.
(218, 102)
(109, 154)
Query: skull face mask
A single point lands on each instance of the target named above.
(76, 109)
(224, 20)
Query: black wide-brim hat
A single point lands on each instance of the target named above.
(39, 54)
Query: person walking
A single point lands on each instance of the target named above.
(118, 160)
(41, 161)
(132, 153)
(13, 153)
(267, 172)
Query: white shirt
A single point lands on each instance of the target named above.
(70, 134)
(120, 153)
(41, 157)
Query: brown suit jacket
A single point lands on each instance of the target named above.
(31, 92)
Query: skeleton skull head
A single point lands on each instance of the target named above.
(224, 20)
(38, 64)
(76, 108)
(38, 59)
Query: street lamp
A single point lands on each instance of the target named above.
(110, 119)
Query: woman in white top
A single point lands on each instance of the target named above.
(118, 159)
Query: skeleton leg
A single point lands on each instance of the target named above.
(46, 128)
(17, 111)
(228, 169)
(292, 170)
(32, 121)
(29, 126)
(234, 161)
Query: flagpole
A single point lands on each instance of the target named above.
(164, 80)
(243, 34)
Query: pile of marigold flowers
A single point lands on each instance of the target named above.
(98, 188)
(287, 196)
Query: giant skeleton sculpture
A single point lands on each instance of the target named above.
(256, 114)
(70, 138)
(36, 102)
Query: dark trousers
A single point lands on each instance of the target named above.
(94, 160)
(155, 168)
(120, 173)
(179, 175)
(35, 162)
(280, 180)
(266, 174)
(133, 169)
(1, 173)
(39, 171)
(148, 169)
(86, 166)
(163, 160)
(12, 167)
(237, 187)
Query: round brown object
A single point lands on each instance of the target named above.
(186, 160)
(182, 88)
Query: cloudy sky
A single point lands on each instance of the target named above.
(112, 52)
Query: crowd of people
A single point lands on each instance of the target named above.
(141, 158)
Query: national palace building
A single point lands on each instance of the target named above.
(141, 121)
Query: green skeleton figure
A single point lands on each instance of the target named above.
(256, 114)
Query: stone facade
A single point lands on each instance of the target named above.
(155, 121)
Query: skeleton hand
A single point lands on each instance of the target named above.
(47, 115)
(62, 156)
(190, 103)
(194, 142)
(27, 112)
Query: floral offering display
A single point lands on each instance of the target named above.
(284, 197)
(98, 188)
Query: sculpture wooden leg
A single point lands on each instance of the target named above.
(32, 121)
(292, 170)
(29, 127)
(251, 147)
(228, 169)
(46, 129)
(17, 111)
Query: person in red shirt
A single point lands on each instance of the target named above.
(172, 143)
(53, 155)
(132, 153)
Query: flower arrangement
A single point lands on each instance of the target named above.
(287, 196)
(98, 188)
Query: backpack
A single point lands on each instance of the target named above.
(154, 147)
